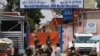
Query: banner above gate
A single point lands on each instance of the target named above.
(30, 4)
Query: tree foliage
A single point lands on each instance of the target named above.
(98, 3)
(58, 11)
(34, 15)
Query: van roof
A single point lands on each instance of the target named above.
(83, 34)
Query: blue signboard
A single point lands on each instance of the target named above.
(67, 14)
(28, 4)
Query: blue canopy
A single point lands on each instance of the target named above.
(95, 39)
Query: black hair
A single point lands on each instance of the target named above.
(39, 46)
(48, 36)
(57, 45)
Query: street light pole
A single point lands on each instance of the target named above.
(73, 26)
(27, 29)
(0, 26)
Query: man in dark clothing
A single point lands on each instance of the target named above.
(39, 51)
(29, 52)
(49, 50)
(48, 41)
(36, 42)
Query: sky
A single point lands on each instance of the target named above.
(48, 16)
(3, 2)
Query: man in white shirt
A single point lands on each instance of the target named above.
(57, 50)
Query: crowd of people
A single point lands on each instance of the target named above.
(47, 50)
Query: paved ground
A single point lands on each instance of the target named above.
(62, 54)
(53, 54)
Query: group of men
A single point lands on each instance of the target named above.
(39, 50)
(46, 51)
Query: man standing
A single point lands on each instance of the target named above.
(57, 50)
(49, 50)
(48, 41)
(36, 42)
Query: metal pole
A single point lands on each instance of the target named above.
(82, 20)
(0, 26)
(60, 37)
(27, 28)
(73, 48)
(73, 24)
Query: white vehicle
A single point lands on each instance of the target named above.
(83, 46)
(6, 43)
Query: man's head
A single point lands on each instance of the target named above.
(48, 37)
(57, 45)
(35, 37)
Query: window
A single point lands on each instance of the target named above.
(10, 26)
(82, 39)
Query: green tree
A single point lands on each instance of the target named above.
(34, 15)
(98, 3)
(58, 11)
